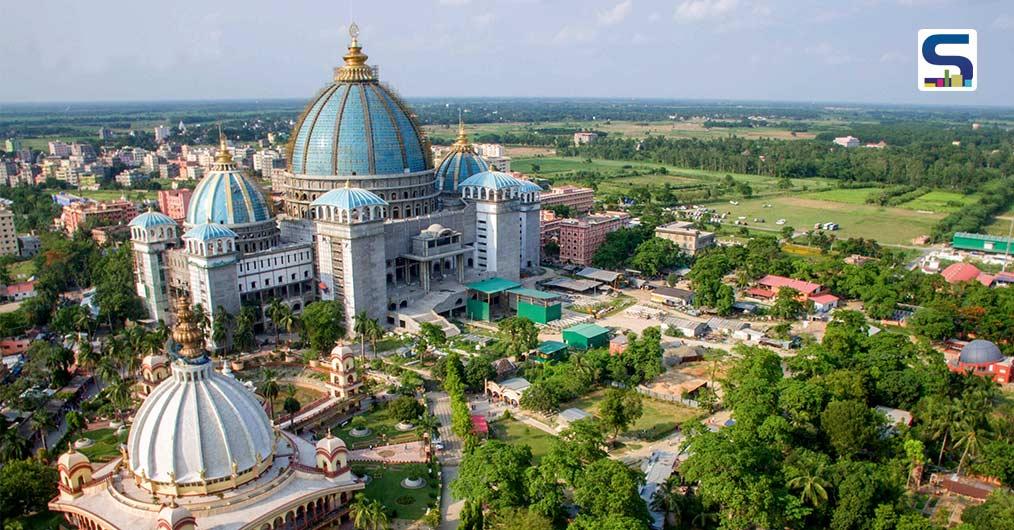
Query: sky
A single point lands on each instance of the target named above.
(861, 51)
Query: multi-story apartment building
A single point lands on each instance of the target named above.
(8, 236)
(688, 238)
(101, 214)
(581, 200)
(59, 149)
(585, 137)
(580, 238)
(174, 203)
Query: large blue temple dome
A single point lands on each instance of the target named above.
(460, 163)
(356, 126)
(226, 196)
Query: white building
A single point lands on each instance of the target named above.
(847, 142)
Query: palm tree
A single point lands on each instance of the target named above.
(202, 319)
(939, 418)
(42, 422)
(361, 328)
(427, 423)
(119, 396)
(269, 388)
(669, 500)
(374, 333)
(274, 311)
(75, 421)
(289, 321)
(221, 328)
(812, 486)
(83, 322)
(970, 439)
(13, 446)
(368, 514)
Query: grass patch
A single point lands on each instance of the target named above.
(385, 486)
(106, 446)
(939, 201)
(109, 195)
(885, 224)
(846, 195)
(305, 396)
(21, 270)
(517, 433)
(658, 419)
(382, 431)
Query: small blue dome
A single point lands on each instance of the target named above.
(357, 128)
(209, 231)
(458, 166)
(980, 351)
(151, 220)
(349, 198)
(227, 197)
(491, 179)
(528, 186)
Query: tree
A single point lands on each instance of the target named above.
(222, 328)
(811, 484)
(851, 427)
(291, 405)
(268, 387)
(580, 444)
(42, 422)
(541, 397)
(493, 474)
(787, 305)
(13, 446)
(405, 409)
(607, 487)
(368, 514)
(374, 332)
(995, 514)
(26, 486)
(433, 334)
(513, 518)
(244, 338)
(620, 409)
(274, 311)
(655, 255)
(725, 298)
(609, 522)
(362, 329)
(323, 324)
(115, 292)
(518, 334)
(936, 322)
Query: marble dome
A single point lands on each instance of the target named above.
(459, 164)
(199, 426)
(152, 219)
(227, 197)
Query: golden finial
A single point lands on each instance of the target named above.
(186, 333)
(223, 157)
(355, 67)
(461, 144)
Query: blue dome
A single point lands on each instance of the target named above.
(208, 231)
(349, 198)
(357, 128)
(152, 219)
(528, 186)
(458, 166)
(980, 351)
(491, 179)
(227, 197)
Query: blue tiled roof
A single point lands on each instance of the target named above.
(458, 166)
(356, 129)
(491, 179)
(528, 186)
(227, 197)
(349, 198)
(208, 231)
(152, 219)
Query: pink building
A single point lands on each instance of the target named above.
(98, 214)
(580, 238)
(174, 203)
(580, 200)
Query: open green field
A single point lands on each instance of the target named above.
(630, 129)
(109, 195)
(304, 394)
(885, 224)
(517, 433)
(846, 195)
(624, 174)
(658, 418)
(382, 431)
(21, 270)
(385, 486)
(940, 201)
(1001, 226)
(106, 446)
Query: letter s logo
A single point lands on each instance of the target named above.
(948, 60)
(929, 52)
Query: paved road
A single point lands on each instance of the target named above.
(450, 457)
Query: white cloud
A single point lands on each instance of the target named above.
(691, 10)
(615, 15)
(1004, 21)
(483, 20)
(893, 57)
(828, 54)
(572, 35)
(454, 2)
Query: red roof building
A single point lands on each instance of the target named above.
(966, 272)
(777, 282)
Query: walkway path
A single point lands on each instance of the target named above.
(449, 458)
(410, 452)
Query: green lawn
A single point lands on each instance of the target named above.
(109, 195)
(385, 486)
(658, 418)
(885, 224)
(305, 396)
(846, 195)
(106, 446)
(517, 433)
(940, 201)
(382, 431)
(21, 270)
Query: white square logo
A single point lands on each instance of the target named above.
(948, 60)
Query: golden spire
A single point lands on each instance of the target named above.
(461, 144)
(223, 157)
(186, 333)
(355, 67)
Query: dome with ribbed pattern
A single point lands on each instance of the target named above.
(199, 426)
(227, 197)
